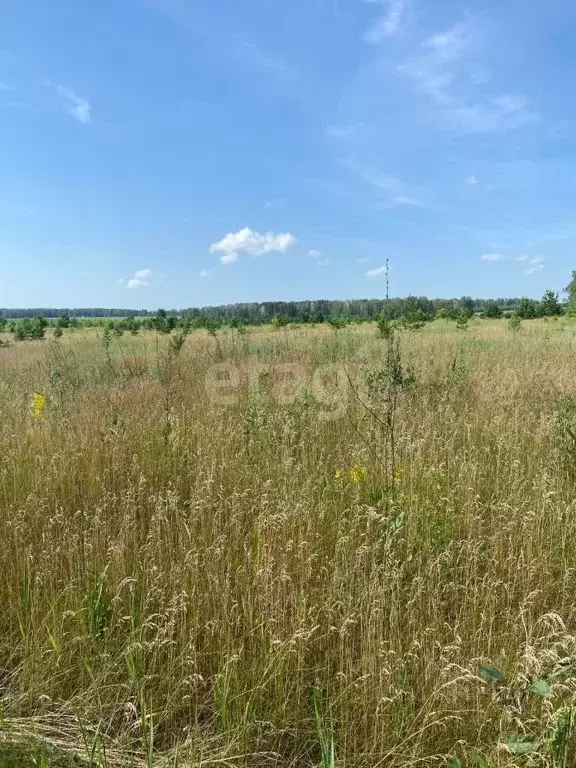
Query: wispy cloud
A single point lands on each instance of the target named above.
(254, 243)
(77, 106)
(392, 191)
(536, 265)
(225, 35)
(471, 181)
(443, 72)
(376, 272)
(16, 207)
(492, 257)
(205, 273)
(318, 259)
(363, 260)
(143, 274)
(407, 200)
(372, 175)
(389, 24)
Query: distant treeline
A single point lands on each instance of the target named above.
(411, 312)
(318, 311)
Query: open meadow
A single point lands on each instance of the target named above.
(290, 547)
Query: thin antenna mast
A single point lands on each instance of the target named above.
(387, 284)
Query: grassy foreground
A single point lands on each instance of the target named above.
(356, 555)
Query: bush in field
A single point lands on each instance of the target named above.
(527, 308)
(492, 309)
(30, 328)
(336, 322)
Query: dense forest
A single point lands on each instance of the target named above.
(320, 310)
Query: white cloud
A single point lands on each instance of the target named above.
(537, 263)
(471, 181)
(376, 272)
(135, 283)
(491, 257)
(442, 71)
(435, 71)
(140, 280)
(318, 259)
(389, 24)
(521, 258)
(363, 260)
(205, 273)
(251, 242)
(406, 200)
(77, 106)
(371, 176)
(449, 45)
(389, 186)
(496, 115)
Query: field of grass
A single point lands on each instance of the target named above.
(292, 547)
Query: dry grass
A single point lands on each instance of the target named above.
(191, 583)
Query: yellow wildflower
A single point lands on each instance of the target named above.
(38, 404)
(357, 474)
(339, 474)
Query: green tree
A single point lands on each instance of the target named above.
(492, 309)
(37, 327)
(527, 308)
(550, 305)
(279, 321)
(466, 305)
(571, 293)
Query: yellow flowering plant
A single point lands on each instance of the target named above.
(38, 404)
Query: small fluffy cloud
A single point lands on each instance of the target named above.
(140, 280)
(135, 283)
(376, 272)
(254, 243)
(471, 181)
(389, 24)
(492, 257)
(78, 107)
(521, 258)
(205, 273)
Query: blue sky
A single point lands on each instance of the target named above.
(188, 152)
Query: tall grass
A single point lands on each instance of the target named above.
(192, 582)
